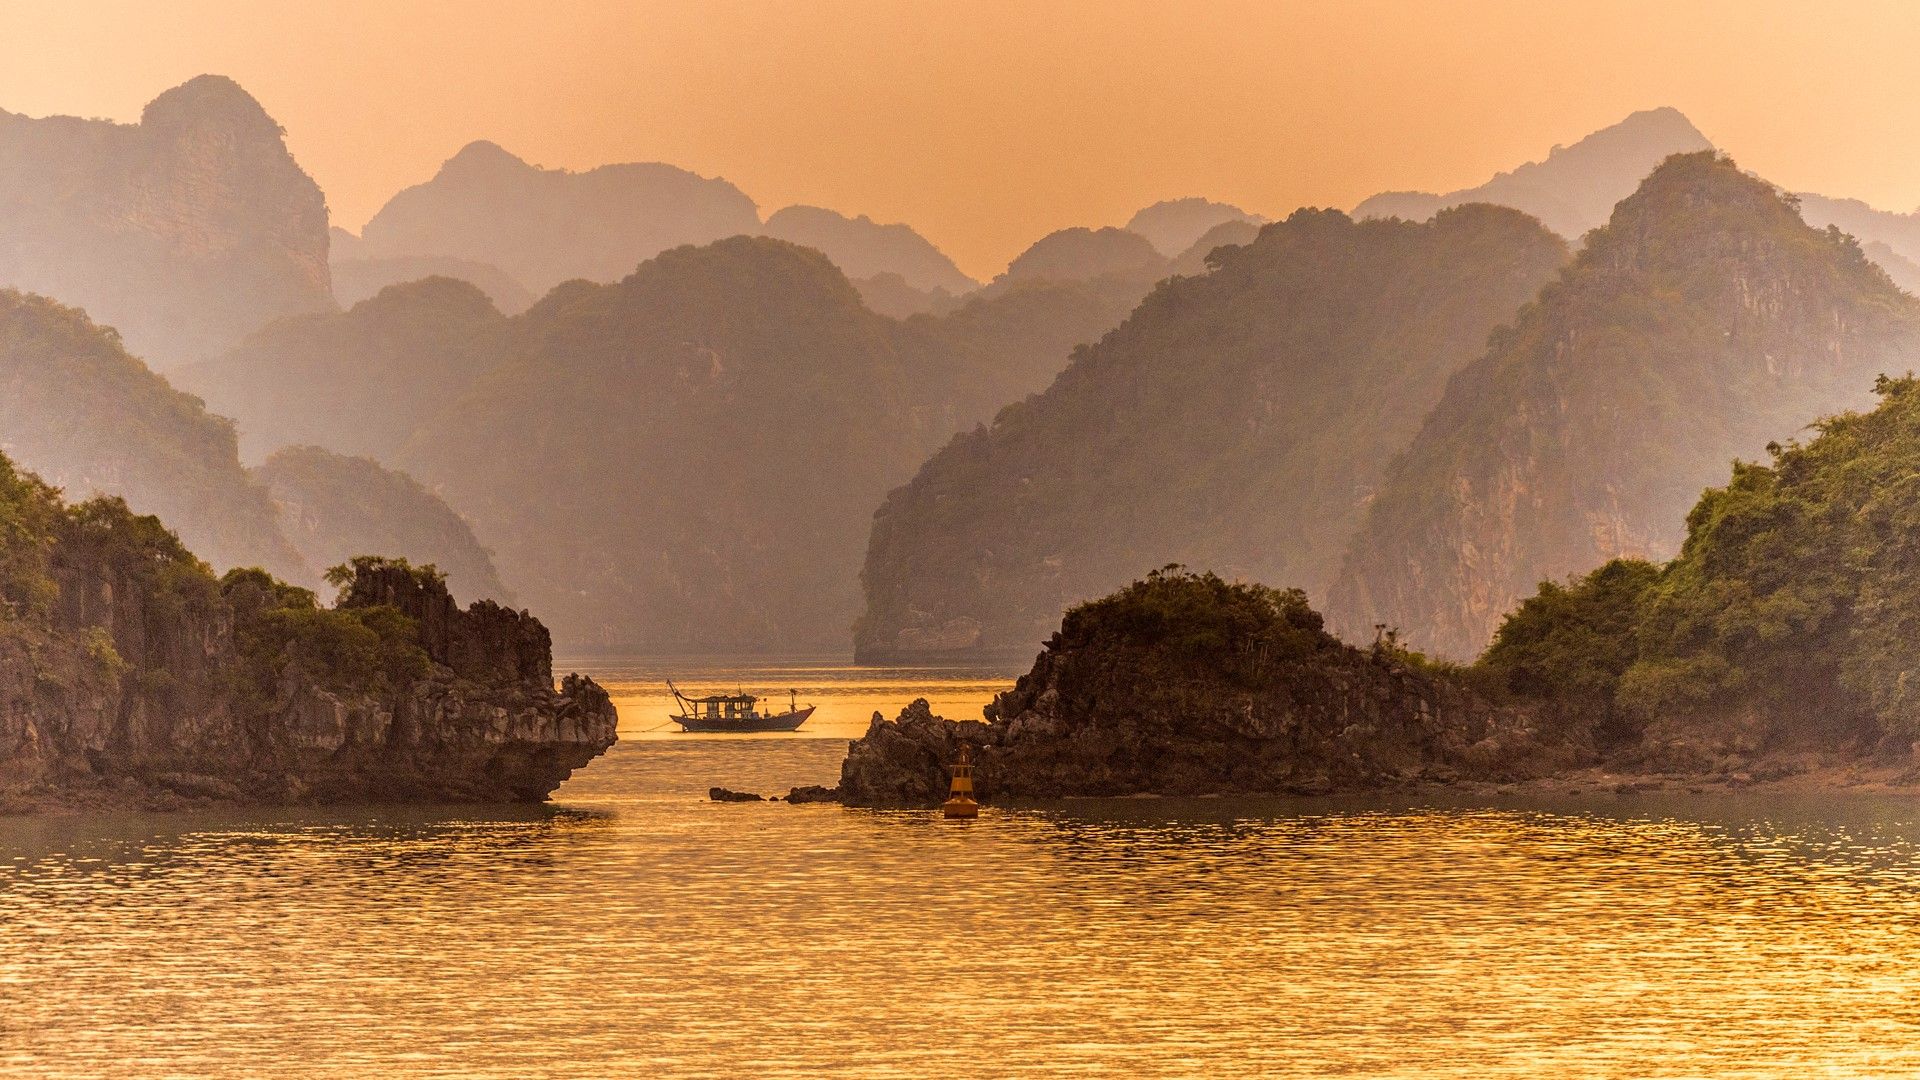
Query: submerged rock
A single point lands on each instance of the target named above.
(720, 794)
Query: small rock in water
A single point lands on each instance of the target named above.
(813, 793)
(720, 794)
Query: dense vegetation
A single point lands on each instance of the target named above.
(1185, 620)
(355, 280)
(185, 231)
(357, 381)
(1237, 420)
(334, 508)
(79, 411)
(1796, 597)
(103, 595)
(1703, 321)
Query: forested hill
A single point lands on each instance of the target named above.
(80, 411)
(687, 458)
(1703, 321)
(1237, 420)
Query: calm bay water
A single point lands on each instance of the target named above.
(634, 929)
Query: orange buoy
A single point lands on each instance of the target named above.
(960, 802)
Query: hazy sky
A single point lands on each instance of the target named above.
(987, 124)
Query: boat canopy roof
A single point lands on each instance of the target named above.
(746, 699)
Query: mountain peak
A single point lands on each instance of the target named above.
(208, 100)
(482, 157)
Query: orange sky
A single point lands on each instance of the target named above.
(987, 124)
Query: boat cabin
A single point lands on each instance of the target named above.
(723, 707)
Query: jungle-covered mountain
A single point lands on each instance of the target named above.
(1575, 187)
(687, 458)
(1789, 618)
(863, 248)
(185, 231)
(546, 226)
(1082, 254)
(356, 381)
(1174, 225)
(1705, 320)
(335, 508)
(78, 409)
(1237, 420)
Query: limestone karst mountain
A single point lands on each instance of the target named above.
(88, 417)
(1904, 271)
(545, 226)
(1704, 321)
(356, 381)
(1575, 187)
(334, 508)
(1175, 225)
(863, 248)
(184, 232)
(1237, 420)
(687, 458)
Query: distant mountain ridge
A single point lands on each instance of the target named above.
(864, 248)
(184, 232)
(546, 226)
(1574, 188)
(1174, 225)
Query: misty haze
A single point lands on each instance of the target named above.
(680, 539)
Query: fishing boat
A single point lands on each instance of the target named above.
(735, 712)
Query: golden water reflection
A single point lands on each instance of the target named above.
(639, 930)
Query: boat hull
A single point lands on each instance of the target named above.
(784, 722)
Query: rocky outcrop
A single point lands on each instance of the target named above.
(130, 676)
(184, 232)
(1240, 692)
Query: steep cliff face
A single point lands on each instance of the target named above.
(1237, 420)
(1703, 321)
(546, 226)
(333, 507)
(185, 231)
(88, 417)
(356, 381)
(1186, 685)
(131, 676)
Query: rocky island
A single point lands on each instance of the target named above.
(1778, 647)
(132, 676)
